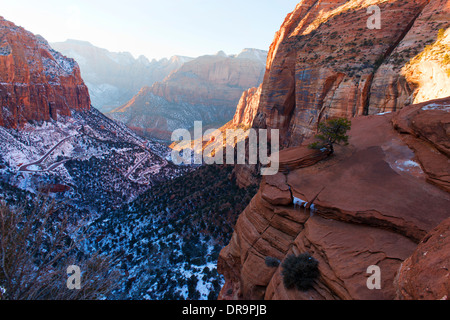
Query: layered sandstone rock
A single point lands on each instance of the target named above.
(431, 122)
(300, 157)
(371, 203)
(242, 121)
(374, 200)
(36, 82)
(416, 71)
(425, 274)
(325, 62)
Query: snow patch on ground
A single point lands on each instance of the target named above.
(435, 106)
(408, 166)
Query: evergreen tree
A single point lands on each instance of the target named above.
(331, 132)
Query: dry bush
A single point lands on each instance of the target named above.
(300, 271)
(36, 248)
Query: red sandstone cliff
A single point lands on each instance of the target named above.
(325, 62)
(247, 107)
(382, 199)
(369, 204)
(36, 82)
(243, 119)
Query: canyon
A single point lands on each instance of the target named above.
(86, 172)
(154, 98)
(185, 232)
(205, 89)
(54, 140)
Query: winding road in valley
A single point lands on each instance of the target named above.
(136, 166)
(42, 168)
(24, 168)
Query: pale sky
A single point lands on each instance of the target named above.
(154, 28)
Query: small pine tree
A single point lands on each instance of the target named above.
(331, 132)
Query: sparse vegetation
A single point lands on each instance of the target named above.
(379, 62)
(334, 35)
(37, 246)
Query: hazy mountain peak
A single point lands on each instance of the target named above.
(253, 54)
(221, 53)
(79, 42)
(114, 78)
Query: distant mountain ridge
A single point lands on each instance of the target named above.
(113, 78)
(205, 89)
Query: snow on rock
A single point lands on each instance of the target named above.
(407, 165)
(435, 106)
(299, 202)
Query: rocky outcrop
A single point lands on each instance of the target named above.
(247, 107)
(325, 62)
(369, 204)
(425, 274)
(240, 125)
(37, 83)
(429, 121)
(113, 78)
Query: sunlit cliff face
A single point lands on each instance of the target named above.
(328, 61)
